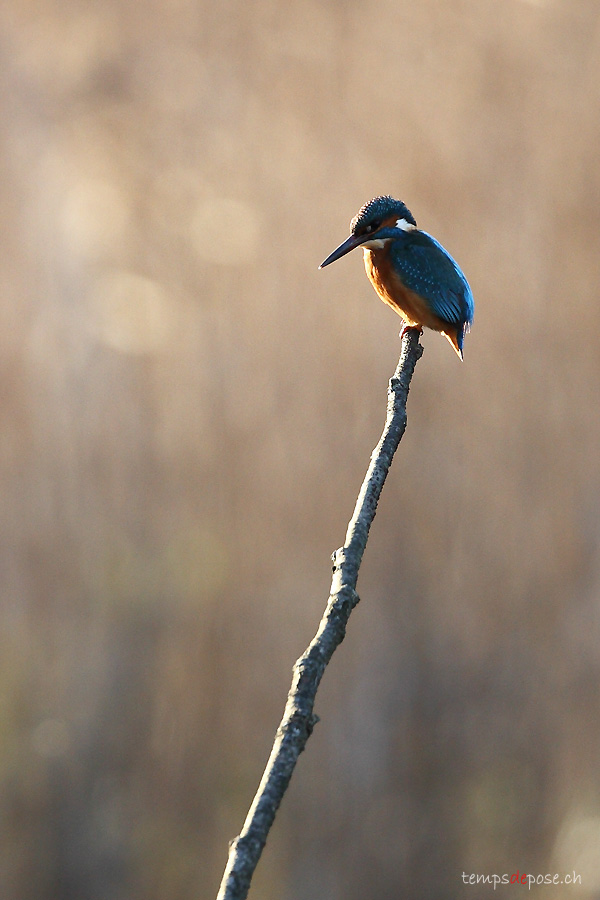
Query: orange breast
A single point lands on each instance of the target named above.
(413, 309)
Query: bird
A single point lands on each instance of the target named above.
(410, 270)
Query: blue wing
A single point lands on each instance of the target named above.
(429, 270)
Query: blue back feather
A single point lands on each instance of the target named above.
(426, 268)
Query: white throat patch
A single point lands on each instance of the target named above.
(376, 244)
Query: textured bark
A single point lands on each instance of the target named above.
(299, 719)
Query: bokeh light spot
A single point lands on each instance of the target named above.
(130, 313)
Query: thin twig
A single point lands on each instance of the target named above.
(298, 719)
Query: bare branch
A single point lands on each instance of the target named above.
(298, 719)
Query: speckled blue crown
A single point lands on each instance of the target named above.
(379, 209)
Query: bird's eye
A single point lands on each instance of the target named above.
(369, 229)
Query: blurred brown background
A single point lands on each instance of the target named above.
(188, 408)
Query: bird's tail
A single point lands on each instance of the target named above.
(456, 339)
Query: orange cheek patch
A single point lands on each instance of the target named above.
(390, 222)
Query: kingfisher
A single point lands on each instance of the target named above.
(410, 270)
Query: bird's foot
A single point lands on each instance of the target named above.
(410, 328)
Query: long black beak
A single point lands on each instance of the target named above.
(349, 244)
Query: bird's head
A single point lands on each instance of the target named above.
(380, 220)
